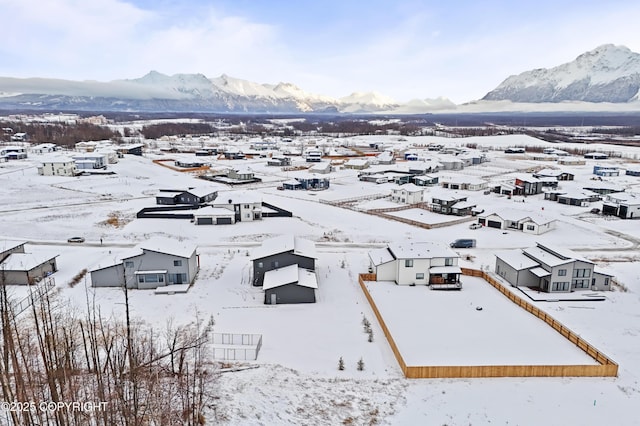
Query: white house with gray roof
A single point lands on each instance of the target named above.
(152, 264)
(520, 220)
(416, 263)
(550, 269)
(408, 194)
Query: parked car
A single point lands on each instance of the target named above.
(463, 243)
(76, 240)
(475, 225)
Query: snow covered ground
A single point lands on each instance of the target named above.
(297, 381)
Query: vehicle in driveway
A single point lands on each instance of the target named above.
(475, 225)
(76, 240)
(463, 243)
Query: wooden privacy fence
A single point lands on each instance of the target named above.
(605, 368)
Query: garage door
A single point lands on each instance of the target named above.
(205, 221)
(224, 221)
(494, 224)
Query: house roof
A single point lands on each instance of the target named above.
(550, 257)
(460, 179)
(213, 211)
(516, 215)
(357, 162)
(540, 272)
(517, 260)
(286, 243)
(420, 250)
(410, 187)
(167, 246)
(26, 261)
(236, 197)
(381, 256)
(202, 191)
(445, 270)
(6, 245)
(58, 160)
(291, 274)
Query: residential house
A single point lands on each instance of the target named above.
(577, 197)
(232, 154)
(289, 284)
(525, 221)
(279, 252)
(313, 156)
(20, 266)
(408, 194)
(357, 164)
(246, 205)
(241, 174)
(559, 175)
(451, 163)
(550, 269)
(279, 161)
(416, 263)
(451, 204)
(424, 167)
(20, 137)
(14, 152)
(152, 264)
(632, 170)
(625, 205)
(58, 166)
(469, 183)
(193, 196)
(425, 180)
(311, 182)
(44, 148)
(527, 185)
(603, 187)
(90, 161)
(596, 156)
(385, 157)
(131, 149)
(571, 161)
(322, 168)
(606, 171)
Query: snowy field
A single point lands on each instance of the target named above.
(500, 334)
(297, 381)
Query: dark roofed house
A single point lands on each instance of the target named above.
(282, 251)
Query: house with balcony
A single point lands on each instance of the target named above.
(451, 204)
(417, 263)
(246, 205)
(58, 166)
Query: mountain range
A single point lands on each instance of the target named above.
(607, 74)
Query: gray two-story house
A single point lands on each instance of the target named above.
(153, 264)
(550, 269)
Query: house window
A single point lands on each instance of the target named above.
(531, 228)
(177, 263)
(420, 276)
(128, 264)
(275, 264)
(246, 206)
(559, 286)
(448, 261)
(562, 272)
(260, 265)
(581, 273)
(140, 278)
(580, 284)
(408, 263)
(606, 281)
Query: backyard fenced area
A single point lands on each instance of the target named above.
(603, 366)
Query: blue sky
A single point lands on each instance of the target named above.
(402, 49)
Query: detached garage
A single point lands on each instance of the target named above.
(214, 216)
(290, 284)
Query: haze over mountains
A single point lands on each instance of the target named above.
(607, 74)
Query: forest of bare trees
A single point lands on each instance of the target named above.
(59, 366)
(60, 133)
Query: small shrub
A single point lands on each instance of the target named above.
(341, 364)
(360, 365)
(76, 279)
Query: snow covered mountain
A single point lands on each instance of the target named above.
(181, 93)
(606, 74)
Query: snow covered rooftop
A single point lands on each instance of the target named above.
(516, 259)
(286, 243)
(287, 275)
(6, 245)
(168, 246)
(237, 197)
(420, 250)
(213, 211)
(409, 187)
(25, 261)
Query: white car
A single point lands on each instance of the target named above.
(475, 225)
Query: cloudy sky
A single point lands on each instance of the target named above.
(404, 49)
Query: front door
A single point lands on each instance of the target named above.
(273, 300)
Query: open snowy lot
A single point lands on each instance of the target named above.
(297, 381)
(422, 323)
